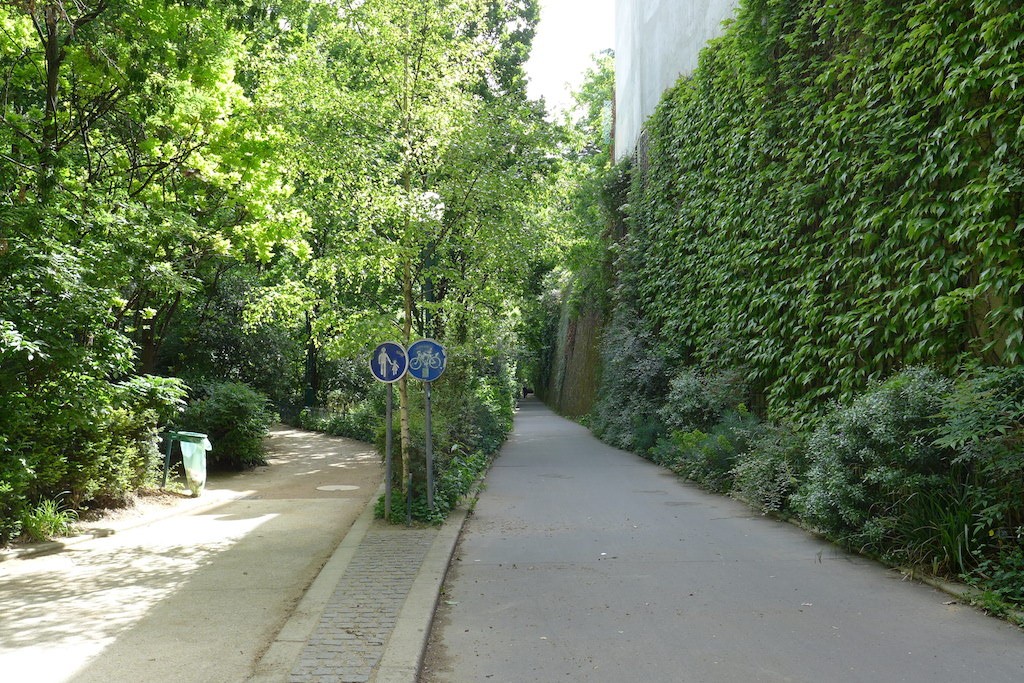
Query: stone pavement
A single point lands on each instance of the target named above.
(357, 622)
(367, 616)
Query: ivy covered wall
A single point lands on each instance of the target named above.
(836, 193)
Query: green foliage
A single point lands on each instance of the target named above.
(48, 519)
(219, 192)
(1003, 576)
(772, 468)
(235, 418)
(211, 337)
(128, 182)
(937, 529)
(87, 440)
(634, 383)
(698, 400)
(867, 459)
(362, 421)
(983, 420)
(13, 483)
(453, 480)
(709, 458)
(834, 193)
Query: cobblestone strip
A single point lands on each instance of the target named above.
(357, 622)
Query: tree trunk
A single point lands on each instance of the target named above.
(312, 381)
(403, 384)
(48, 145)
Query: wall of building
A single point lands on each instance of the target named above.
(656, 41)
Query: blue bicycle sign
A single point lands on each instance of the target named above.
(427, 360)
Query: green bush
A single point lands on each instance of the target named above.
(455, 473)
(92, 442)
(13, 504)
(771, 469)
(236, 419)
(697, 400)
(982, 419)
(709, 458)
(1003, 575)
(634, 383)
(866, 460)
(361, 422)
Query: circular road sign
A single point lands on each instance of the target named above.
(389, 362)
(427, 360)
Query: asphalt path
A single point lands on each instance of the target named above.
(581, 562)
(186, 590)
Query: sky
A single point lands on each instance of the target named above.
(569, 32)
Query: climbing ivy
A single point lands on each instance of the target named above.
(836, 192)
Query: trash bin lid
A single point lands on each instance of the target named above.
(190, 437)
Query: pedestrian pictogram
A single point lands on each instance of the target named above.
(389, 362)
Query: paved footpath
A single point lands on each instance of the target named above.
(278, 575)
(585, 563)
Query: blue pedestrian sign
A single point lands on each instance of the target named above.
(389, 362)
(427, 360)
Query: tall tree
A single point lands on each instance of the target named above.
(414, 151)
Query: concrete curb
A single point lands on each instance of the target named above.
(403, 655)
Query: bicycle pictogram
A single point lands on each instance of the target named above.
(427, 360)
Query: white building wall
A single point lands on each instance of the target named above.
(655, 42)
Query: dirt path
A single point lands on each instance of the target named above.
(187, 589)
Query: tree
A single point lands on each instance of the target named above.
(414, 154)
(130, 179)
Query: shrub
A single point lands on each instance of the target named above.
(361, 422)
(983, 420)
(455, 473)
(236, 418)
(87, 440)
(634, 383)
(12, 504)
(1003, 574)
(697, 400)
(771, 469)
(708, 459)
(867, 459)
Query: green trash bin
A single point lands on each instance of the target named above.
(193, 456)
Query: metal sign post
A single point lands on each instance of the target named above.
(430, 451)
(388, 439)
(389, 364)
(427, 361)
